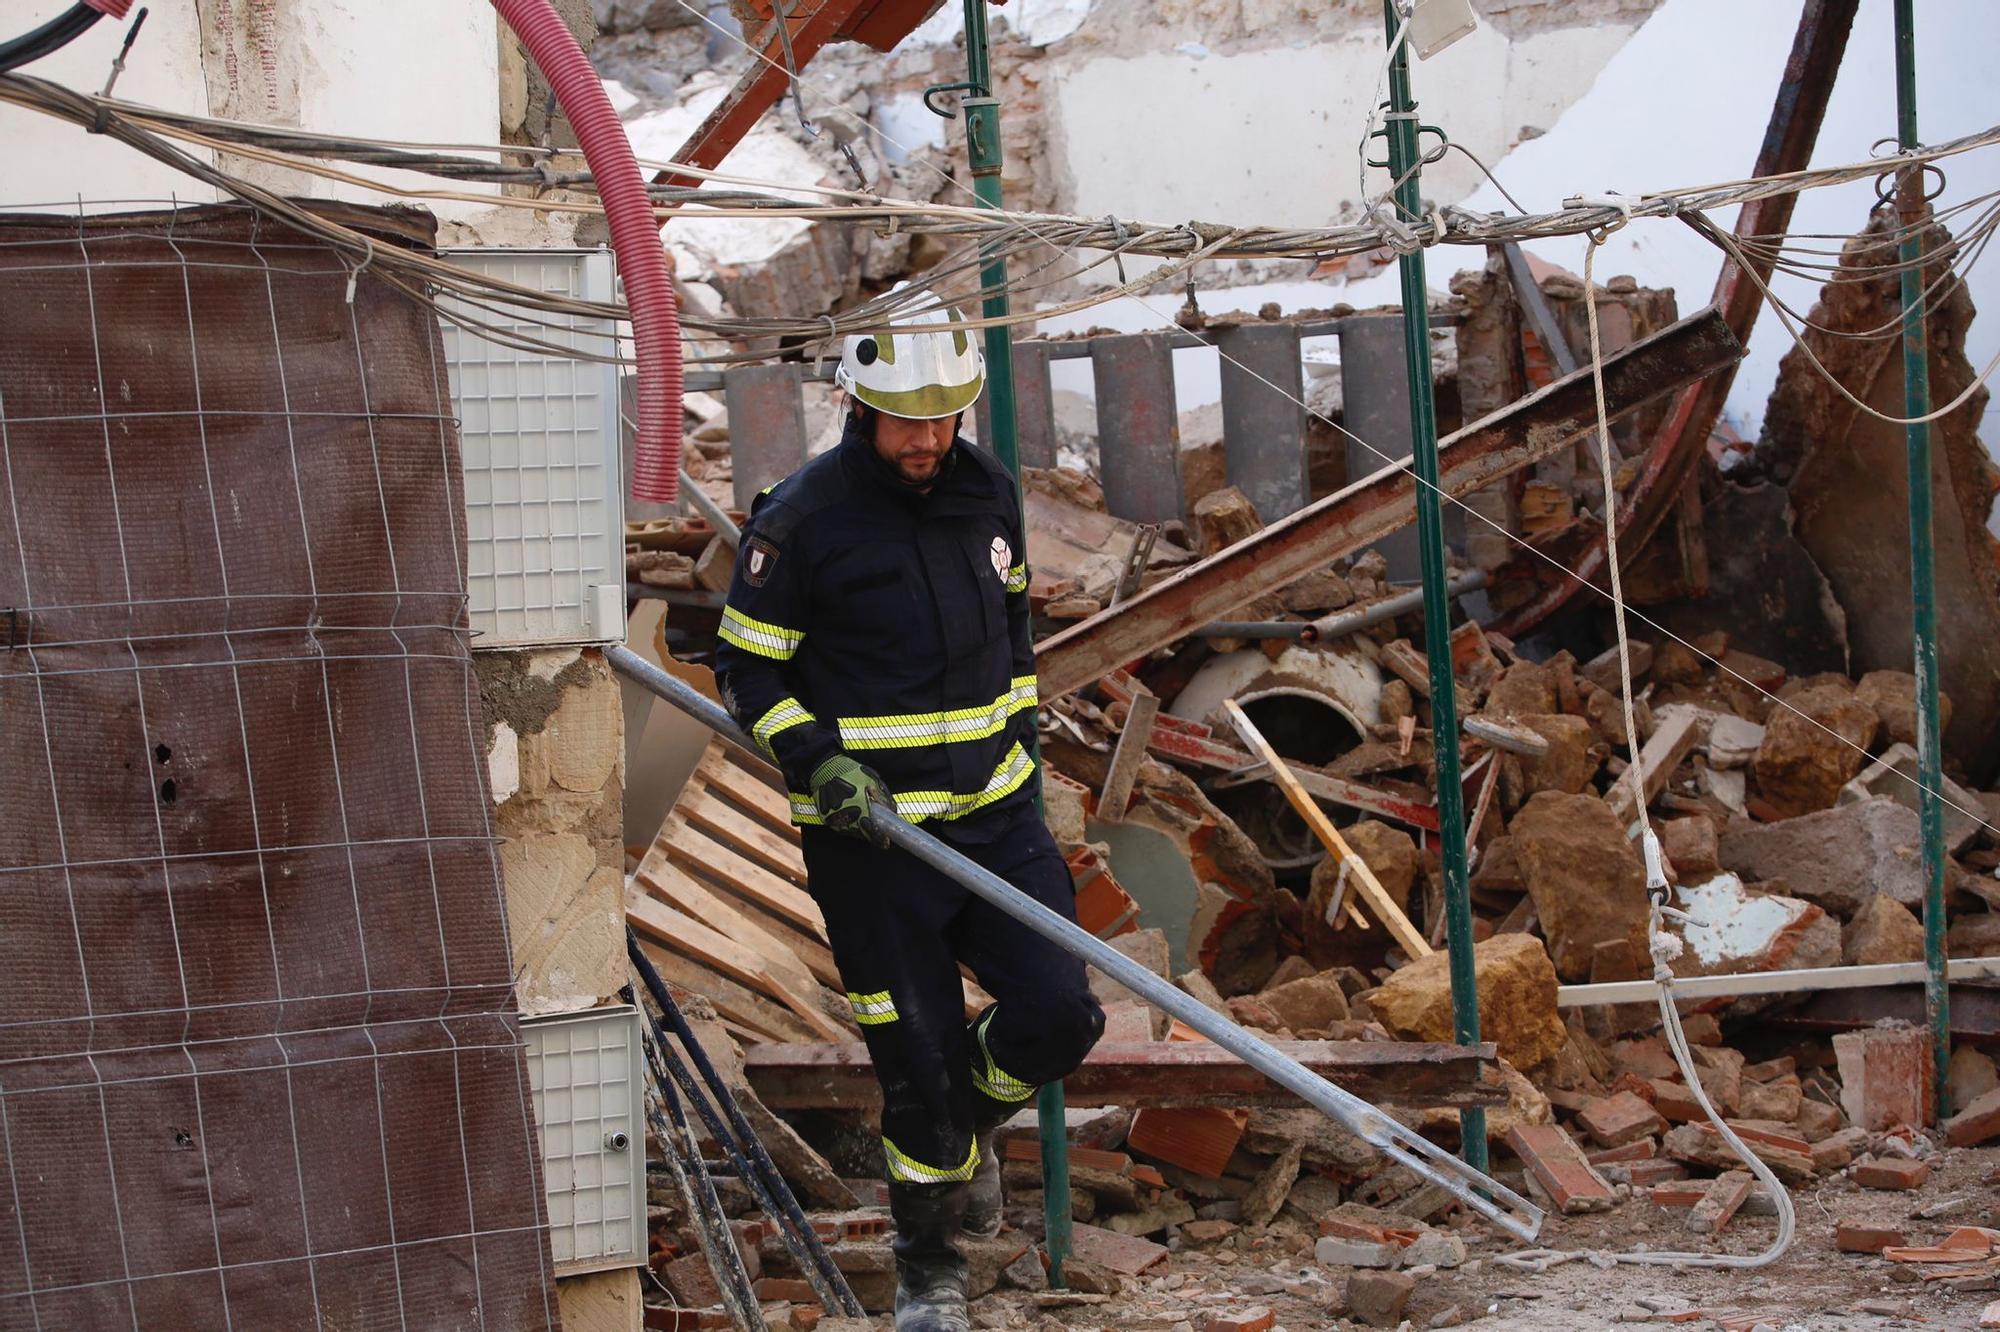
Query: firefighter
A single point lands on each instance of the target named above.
(876, 643)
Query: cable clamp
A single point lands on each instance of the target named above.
(1622, 203)
(1393, 232)
(832, 337)
(354, 274)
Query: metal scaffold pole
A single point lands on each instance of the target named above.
(1912, 212)
(982, 146)
(1404, 165)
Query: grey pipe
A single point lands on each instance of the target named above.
(1505, 1208)
(1342, 623)
(709, 509)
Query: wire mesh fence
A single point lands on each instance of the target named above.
(259, 1065)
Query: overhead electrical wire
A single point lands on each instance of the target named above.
(416, 273)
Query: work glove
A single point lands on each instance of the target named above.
(847, 792)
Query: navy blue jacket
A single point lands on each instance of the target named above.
(869, 617)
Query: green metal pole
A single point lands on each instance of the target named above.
(982, 145)
(1912, 211)
(1401, 132)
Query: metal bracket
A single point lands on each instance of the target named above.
(944, 113)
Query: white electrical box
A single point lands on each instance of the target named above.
(587, 1074)
(538, 432)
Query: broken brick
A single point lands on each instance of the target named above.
(1676, 1103)
(1645, 1174)
(1559, 1166)
(1642, 1150)
(1207, 1232)
(1679, 1193)
(1718, 1205)
(1885, 1076)
(1250, 1320)
(1892, 1172)
(1976, 1123)
(1614, 1121)
(1865, 1237)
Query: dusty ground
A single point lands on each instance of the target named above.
(1813, 1286)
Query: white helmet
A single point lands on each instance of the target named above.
(914, 370)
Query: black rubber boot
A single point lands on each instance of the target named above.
(930, 1271)
(984, 1199)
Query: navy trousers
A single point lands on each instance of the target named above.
(899, 931)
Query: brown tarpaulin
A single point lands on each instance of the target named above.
(259, 1063)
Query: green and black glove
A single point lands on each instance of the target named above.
(846, 792)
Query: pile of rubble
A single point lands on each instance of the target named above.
(1791, 840)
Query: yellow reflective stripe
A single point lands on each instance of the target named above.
(907, 1170)
(784, 714)
(766, 640)
(872, 1010)
(993, 1080)
(912, 730)
(1017, 578)
(915, 806)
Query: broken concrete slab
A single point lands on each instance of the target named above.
(1517, 999)
(1812, 748)
(1732, 929)
(1837, 858)
(1585, 878)
(1895, 774)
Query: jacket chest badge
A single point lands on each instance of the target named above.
(1003, 557)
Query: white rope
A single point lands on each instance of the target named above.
(1663, 946)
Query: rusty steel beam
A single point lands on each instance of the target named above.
(1794, 127)
(762, 84)
(1161, 1073)
(1552, 418)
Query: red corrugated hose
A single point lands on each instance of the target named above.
(642, 260)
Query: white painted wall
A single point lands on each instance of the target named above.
(371, 68)
(1272, 135)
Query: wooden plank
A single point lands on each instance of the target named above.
(772, 807)
(737, 1003)
(688, 936)
(1161, 1073)
(705, 811)
(1413, 943)
(725, 864)
(1672, 740)
(677, 888)
(805, 1005)
(1125, 759)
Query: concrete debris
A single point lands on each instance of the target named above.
(1812, 748)
(1837, 858)
(1586, 880)
(1779, 786)
(1517, 999)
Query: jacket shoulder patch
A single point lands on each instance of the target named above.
(760, 557)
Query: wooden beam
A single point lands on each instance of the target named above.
(1161, 1073)
(1412, 940)
(1132, 740)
